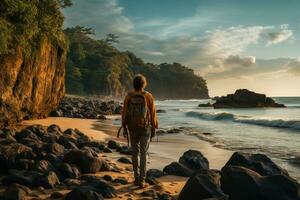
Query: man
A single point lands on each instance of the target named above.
(139, 115)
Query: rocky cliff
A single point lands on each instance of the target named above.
(31, 86)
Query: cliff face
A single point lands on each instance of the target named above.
(31, 86)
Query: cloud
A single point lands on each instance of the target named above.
(238, 61)
(293, 67)
(234, 40)
(105, 16)
(260, 68)
(277, 37)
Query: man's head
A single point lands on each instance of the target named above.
(139, 82)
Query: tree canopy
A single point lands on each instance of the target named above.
(23, 23)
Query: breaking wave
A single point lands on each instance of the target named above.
(275, 123)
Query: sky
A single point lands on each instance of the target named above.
(231, 43)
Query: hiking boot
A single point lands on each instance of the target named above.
(136, 182)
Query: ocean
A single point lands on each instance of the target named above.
(271, 131)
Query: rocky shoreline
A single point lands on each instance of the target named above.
(86, 108)
(58, 164)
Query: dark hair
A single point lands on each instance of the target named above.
(139, 82)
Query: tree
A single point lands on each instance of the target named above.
(111, 39)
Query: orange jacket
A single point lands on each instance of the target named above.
(151, 107)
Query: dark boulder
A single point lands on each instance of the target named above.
(47, 180)
(26, 133)
(100, 185)
(54, 129)
(14, 193)
(124, 150)
(10, 153)
(107, 150)
(53, 159)
(26, 178)
(244, 98)
(155, 173)
(203, 185)
(37, 129)
(177, 169)
(113, 144)
(43, 166)
(32, 143)
(94, 144)
(107, 177)
(68, 171)
(259, 163)
(67, 141)
(120, 180)
(31, 179)
(194, 160)
(85, 161)
(53, 148)
(104, 188)
(49, 138)
(124, 160)
(83, 192)
(242, 183)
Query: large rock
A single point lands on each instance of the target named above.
(31, 87)
(103, 187)
(259, 163)
(85, 161)
(244, 98)
(68, 171)
(10, 153)
(155, 173)
(203, 185)
(189, 163)
(43, 166)
(242, 183)
(194, 160)
(53, 148)
(14, 193)
(20, 177)
(32, 179)
(83, 192)
(99, 185)
(47, 180)
(177, 169)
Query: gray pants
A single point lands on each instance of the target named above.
(139, 140)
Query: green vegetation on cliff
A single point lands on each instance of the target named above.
(24, 23)
(96, 67)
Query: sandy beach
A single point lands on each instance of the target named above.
(164, 150)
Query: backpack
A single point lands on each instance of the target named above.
(138, 112)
